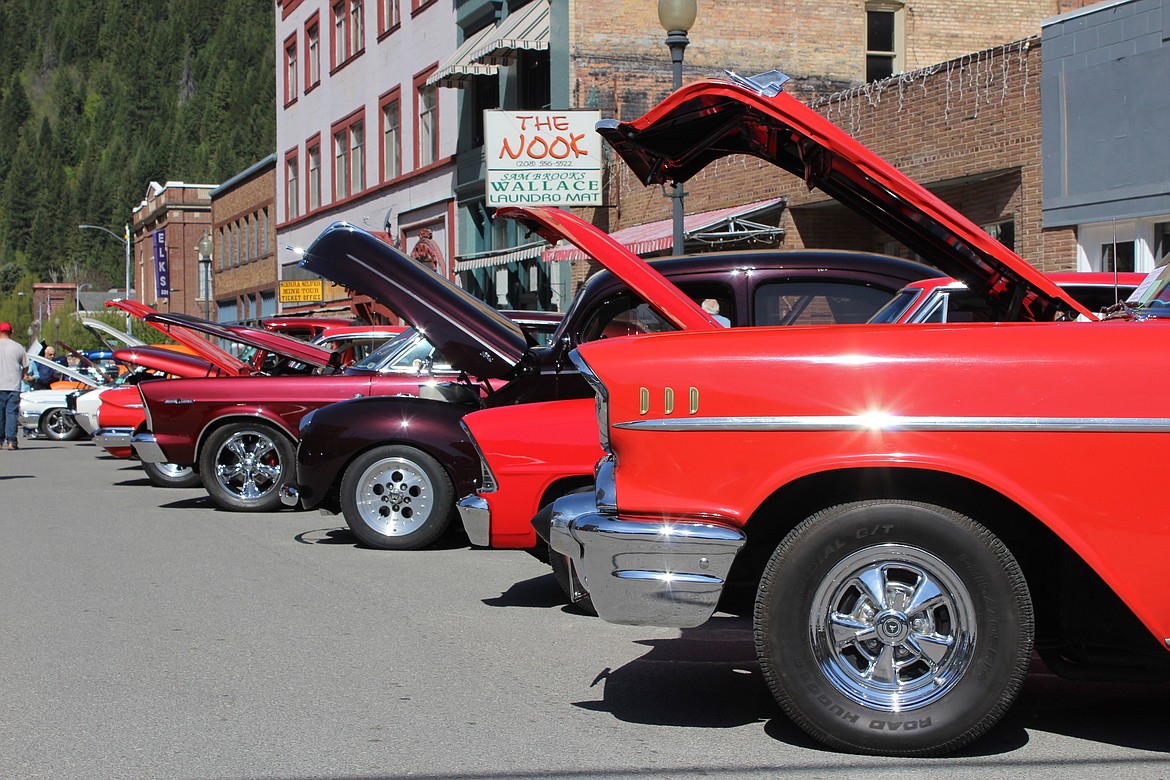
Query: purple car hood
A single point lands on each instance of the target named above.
(707, 120)
(473, 336)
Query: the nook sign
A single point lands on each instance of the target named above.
(542, 158)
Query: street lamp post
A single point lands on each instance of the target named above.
(204, 250)
(677, 17)
(126, 240)
(77, 298)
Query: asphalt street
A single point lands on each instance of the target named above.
(146, 634)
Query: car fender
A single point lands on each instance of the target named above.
(333, 435)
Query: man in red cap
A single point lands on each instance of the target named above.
(13, 362)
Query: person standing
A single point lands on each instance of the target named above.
(13, 362)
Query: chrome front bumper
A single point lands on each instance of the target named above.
(113, 437)
(28, 420)
(147, 449)
(477, 520)
(642, 573)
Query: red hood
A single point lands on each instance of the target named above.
(166, 360)
(707, 120)
(221, 359)
(554, 224)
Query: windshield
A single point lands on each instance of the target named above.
(1154, 292)
(385, 351)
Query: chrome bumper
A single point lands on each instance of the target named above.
(477, 520)
(113, 437)
(643, 573)
(147, 449)
(289, 495)
(28, 420)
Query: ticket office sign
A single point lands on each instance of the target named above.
(302, 291)
(542, 158)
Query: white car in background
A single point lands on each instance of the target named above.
(47, 411)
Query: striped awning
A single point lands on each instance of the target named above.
(461, 67)
(501, 257)
(658, 236)
(527, 29)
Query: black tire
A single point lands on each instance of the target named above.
(59, 425)
(243, 465)
(560, 567)
(169, 475)
(922, 667)
(397, 497)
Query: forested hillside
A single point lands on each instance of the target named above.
(100, 97)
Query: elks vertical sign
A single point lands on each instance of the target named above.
(162, 266)
(543, 158)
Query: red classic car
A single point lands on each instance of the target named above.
(916, 508)
(394, 466)
(533, 454)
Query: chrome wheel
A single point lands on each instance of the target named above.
(248, 465)
(394, 497)
(59, 425)
(893, 627)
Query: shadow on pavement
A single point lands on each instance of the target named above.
(708, 677)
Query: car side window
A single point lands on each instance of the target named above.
(816, 303)
(626, 314)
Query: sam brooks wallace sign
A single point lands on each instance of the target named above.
(542, 158)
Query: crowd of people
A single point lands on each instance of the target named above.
(17, 372)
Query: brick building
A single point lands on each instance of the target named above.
(165, 229)
(968, 129)
(611, 57)
(243, 269)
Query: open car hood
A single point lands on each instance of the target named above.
(554, 224)
(268, 341)
(473, 336)
(707, 120)
(65, 371)
(221, 358)
(167, 361)
(104, 332)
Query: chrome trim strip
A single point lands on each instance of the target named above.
(896, 423)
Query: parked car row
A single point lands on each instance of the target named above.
(888, 463)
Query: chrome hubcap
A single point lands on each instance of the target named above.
(893, 627)
(395, 497)
(248, 465)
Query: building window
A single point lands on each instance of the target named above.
(221, 254)
(264, 215)
(290, 70)
(340, 37)
(883, 40)
(391, 137)
(312, 54)
(313, 155)
(340, 166)
(357, 26)
(357, 157)
(1161, 244)
(388, 15)
(291, 182)
(426, 121)
(1003, 232)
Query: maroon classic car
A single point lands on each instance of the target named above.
(239, 432)
(394, 466)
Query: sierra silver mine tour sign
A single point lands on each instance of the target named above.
(542, 158)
